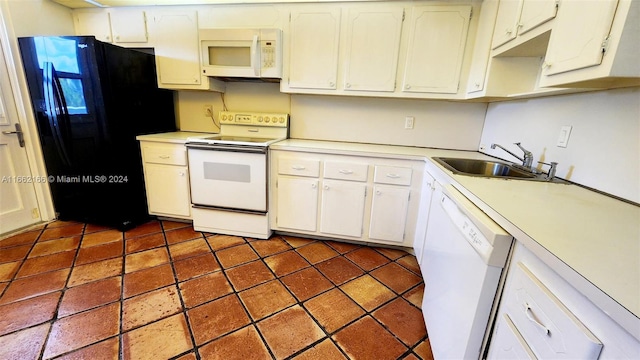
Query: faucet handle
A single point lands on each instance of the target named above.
(552, 169)
(528, 156)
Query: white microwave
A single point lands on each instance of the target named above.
(241, 53)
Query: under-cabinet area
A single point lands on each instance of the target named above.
(351, 197)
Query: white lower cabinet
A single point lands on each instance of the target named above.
(166, 176)
(357, 198)
(542, 316)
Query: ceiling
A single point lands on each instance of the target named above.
(76, 4)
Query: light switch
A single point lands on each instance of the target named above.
(563, 138)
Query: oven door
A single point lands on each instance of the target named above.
(229, 177)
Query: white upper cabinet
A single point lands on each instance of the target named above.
(373, 43)
(437, 40)
(122, 26)
(313, 48)
(517, 17)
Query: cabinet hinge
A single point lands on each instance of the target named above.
(605, 44)
(276, 183)
(471, 14)
(289, 17)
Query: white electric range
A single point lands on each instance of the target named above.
(229, 174)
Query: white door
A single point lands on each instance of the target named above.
(389, 212)
(168, 189)
(18, 204)
(297, 206)
(342, 210)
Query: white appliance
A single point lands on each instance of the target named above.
(229, 174)
(463, 260)
(243, 53)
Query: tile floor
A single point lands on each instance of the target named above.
(164, 291)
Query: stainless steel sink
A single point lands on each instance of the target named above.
(485, 168)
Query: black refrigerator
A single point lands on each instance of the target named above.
(91, 99)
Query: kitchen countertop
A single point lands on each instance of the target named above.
(591, 240)
(176, 137)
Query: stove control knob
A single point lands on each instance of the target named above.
(259, 118)
(267, 119)
(224, 117)
(281, 120)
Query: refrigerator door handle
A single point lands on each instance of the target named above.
(51, 112)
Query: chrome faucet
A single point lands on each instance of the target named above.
(552, 169)
(527, 160)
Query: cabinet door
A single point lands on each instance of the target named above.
(536, 12)
(128, 25)
(342, 209)
(577, 38)
(168, 189)
(313, 46)
(373, 43)
(389, 212)
(175, 36)
(297, 203)
(507, 20)
(94, 23)
(437, 40)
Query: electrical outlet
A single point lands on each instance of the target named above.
(408, 122)
(208, 110)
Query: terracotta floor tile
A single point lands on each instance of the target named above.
(25, 238)
(248, 275)
(102, 237)
(367, 258)
(196, 266)
(162, 339)
(236, 255)
(182, 234)
(392, 254)
(333, 310)
(14, 253)
(189, 356)
(3, 285)
(25, 344)
(75, 331)
(296, 242)
(55, 246)
(144, 242)
(189, 249)
(403, 320)
(62, 231)
(139, 282)
(91, 228)
(272, 246)
(26, 313)
(306, 283)
(414, 295)
(423, 350)
(411, 357)
(104, 350)
(7, 270)
(46, 263)
(99, 252)
(343, 247)
(396, 277)
(145, 259)
(36, 285)
(317, 252)
(170, 225)
(143, 309)
(289, 331)
(219, 242)
(89, 296)
(95, 271)
(147, 228)
(217, 318)
(266, 299)
(204, 288)
(286, 263)
(339, 270)
(410, 262)
(61, 223)
(367, 292)
(324, 350)
(240, 345)
(366, 339)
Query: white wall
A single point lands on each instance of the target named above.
(39, 17)
(604, 148)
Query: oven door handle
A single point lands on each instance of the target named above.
(230, 148)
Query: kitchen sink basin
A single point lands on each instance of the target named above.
(485, 168)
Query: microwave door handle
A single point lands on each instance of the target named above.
(255, 56)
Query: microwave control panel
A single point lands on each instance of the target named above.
(268, 54)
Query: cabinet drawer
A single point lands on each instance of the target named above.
(547, 326)
(345, 171)
(392, 175)
(299, 167)
(160, 153)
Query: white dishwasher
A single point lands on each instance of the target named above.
(464, 254)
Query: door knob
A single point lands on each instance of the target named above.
(17, 132)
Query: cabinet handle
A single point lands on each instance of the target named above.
(346, 172)
(393, 176)
(298, 167)
(164, 156)
(407, 87)
(181, 173)
(313, 186)
(546, 65)
(378, 192)
(508, 31)
(332, 84)
(117, 37)
(107, 37)
(348, 85)
(326, 187)
(530, 315)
